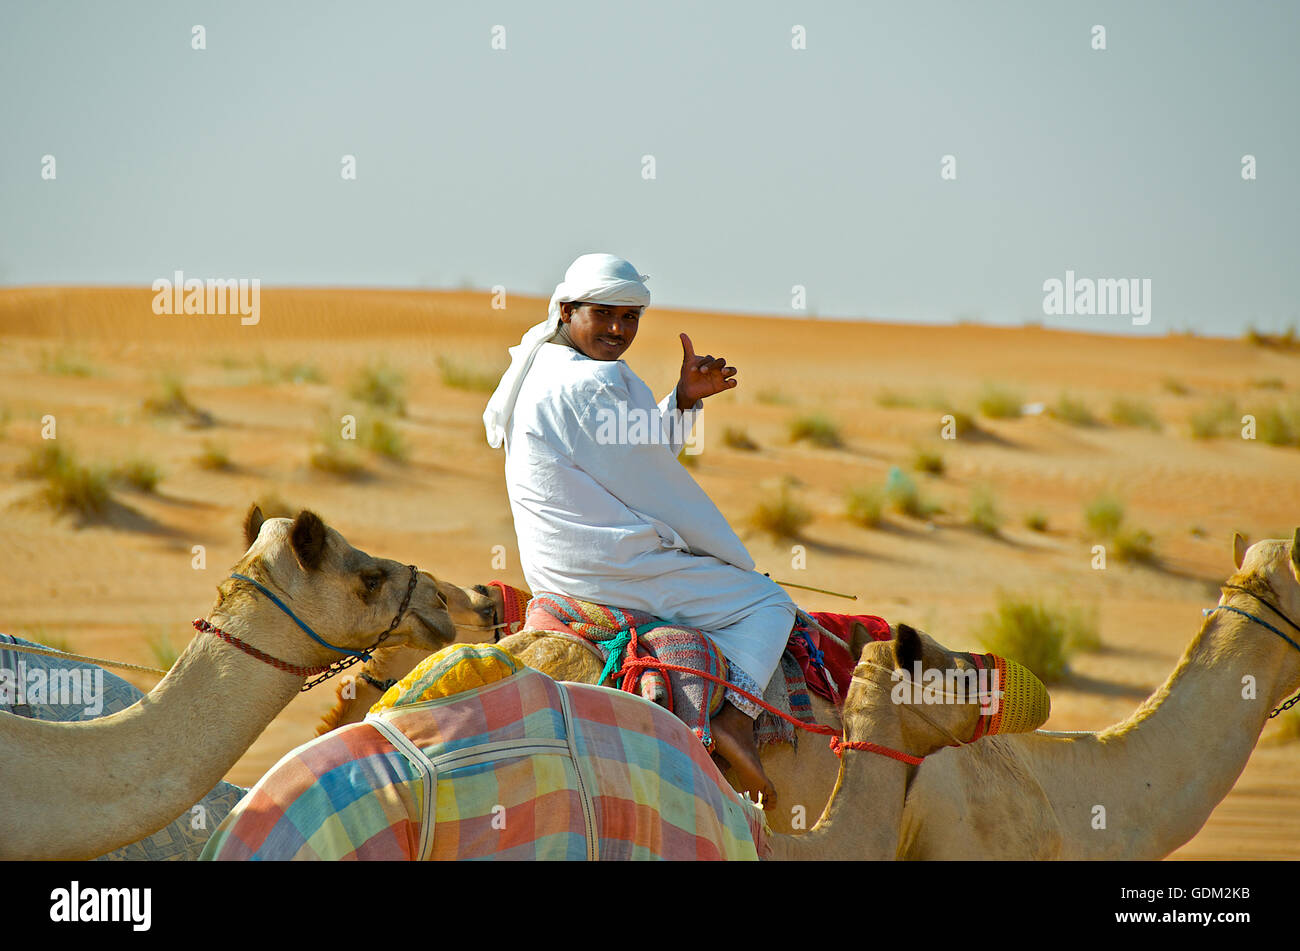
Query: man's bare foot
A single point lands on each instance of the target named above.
(733, 732)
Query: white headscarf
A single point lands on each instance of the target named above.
(592, 277)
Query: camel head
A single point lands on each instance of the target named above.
(949, 703)
(345, 595)
(1275, 563)
(1270, 570)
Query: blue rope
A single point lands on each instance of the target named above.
(1228, 607)
(296, 620)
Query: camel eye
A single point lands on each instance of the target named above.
(372, 581)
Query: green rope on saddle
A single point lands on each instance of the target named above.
(617, 647)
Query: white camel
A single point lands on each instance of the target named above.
(78, 790)
(1145, 786)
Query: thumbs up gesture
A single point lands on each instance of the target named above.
(701, 376)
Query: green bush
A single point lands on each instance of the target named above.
(1127, 412)
(1037, 634)
(139, 474)
(928, 460)
(1279, 425)
(984, 515)
(381, 387)
(463, 377)
(1104, 516)
(781, 517)
(818, 430)
(736, 437)
(902, 494)
(1075, 412)
(383, 439)
(998, 403)
(865, 506)
(213, 457)
(1218, 417)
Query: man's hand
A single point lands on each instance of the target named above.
(701, 376)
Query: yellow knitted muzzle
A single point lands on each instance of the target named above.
(1024, 704)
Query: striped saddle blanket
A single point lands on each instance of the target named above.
(475, 756)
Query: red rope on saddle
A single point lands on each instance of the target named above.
(838, 745)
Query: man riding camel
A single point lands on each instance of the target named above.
(619, 521)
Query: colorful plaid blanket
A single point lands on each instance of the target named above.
(692, 697)
(511, 765)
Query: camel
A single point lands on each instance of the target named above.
(79, 790)
(1143, 787)
(804, 774)
(860, 821)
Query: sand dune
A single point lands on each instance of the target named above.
(93, 357)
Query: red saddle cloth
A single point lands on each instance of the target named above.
(830, 678)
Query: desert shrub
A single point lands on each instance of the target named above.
(984, 515)
(139, 474)
(892, 399)
(1070, 410)
(902, 494)
(780, 516)
(865, 506)
(46, 458)
(1133, 544)
(817, 429)
(1218, 417)
(383, 439)
(1036, 521)
(928, 460)
(173, 401)
(1131, 412)
(1279, 424)
(214, 457)
(774, 397)
(79, 490)
(464, 377)
(1177, 387)
(381, 387)
(289, 372)
(65, 363)
(736, 437)
(998, 403)
(1104, 515)
(1038, 634)
(164, 652)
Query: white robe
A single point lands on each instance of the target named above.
(623, 523)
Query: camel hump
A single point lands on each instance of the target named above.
(457, 668)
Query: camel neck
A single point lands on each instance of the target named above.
(1194, 735)
(151, 762)
(860, 822)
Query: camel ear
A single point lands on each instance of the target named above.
(860, 638)
(308, 539)
(1239, 546)
(252, 524)
(1295, 554)
(908, 649)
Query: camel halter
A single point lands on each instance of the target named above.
(1206, 612)
(325, 670)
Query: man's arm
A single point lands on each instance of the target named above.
(647, 478)
(676, 422)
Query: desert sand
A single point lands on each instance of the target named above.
(93, 358)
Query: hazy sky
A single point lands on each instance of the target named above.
(773, 166)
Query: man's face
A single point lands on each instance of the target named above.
(601, 331)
